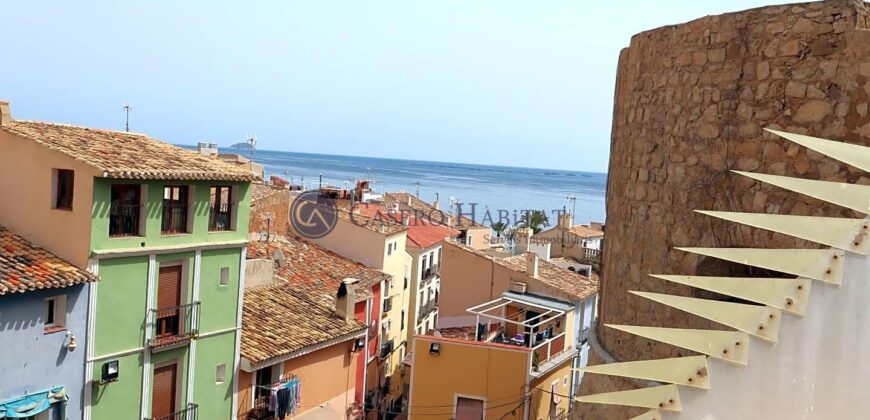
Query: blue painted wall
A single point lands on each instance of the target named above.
(34, 361)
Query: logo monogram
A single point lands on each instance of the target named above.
(313, 216)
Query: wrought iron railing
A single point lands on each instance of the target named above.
(188, 413)
(388, 305)
(174, 325)
(584, 336)
(124, 219)
(427, 308)
(261, 410)
(174, 218)
(221, 217)
(431, 272)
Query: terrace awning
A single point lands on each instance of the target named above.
(33, 404)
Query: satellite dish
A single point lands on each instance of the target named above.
(278, 256)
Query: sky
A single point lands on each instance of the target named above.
(515, 83)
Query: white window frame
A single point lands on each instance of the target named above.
(58, 302)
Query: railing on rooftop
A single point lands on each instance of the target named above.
(547, 350)
(591, 255)
(174, 326)
(188, 413)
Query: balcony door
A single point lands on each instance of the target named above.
(168, 302)
(164, 391)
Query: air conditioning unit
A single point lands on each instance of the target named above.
(518, 287)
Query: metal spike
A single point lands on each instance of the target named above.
(819, 264)
(731, 346)
(850, 196)
(790, 295)
(664, 397)
(689, 371)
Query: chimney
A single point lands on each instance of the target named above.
(532, 264)
(436, 204)
(344, 299)
(409, 199)
(524, 238)
(5, 113)
(566, 220)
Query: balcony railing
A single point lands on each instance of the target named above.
(221, 217)
(427, 308)
(388, 305)
(188, 413)
(431, 272)
(546, 351)
(387, 349)
(584, 336)
(174, 218)
(174, 326)
(124, 219)
(591, 255)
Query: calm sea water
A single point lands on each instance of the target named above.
(491, 187)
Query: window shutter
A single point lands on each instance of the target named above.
(169, 287)
(163, 394)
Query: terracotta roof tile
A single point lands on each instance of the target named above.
(279, 320)
(316, 270)
(25, 267)
(585, 231)
(125, 155)
(261, 191)
(568, 282)
(410, 202)
(422, 233)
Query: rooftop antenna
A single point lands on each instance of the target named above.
(252, 144)
(573, 199)
(418, 189)
(127, 109)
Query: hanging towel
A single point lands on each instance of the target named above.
(283, 403)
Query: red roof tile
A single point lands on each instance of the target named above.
(25, 267)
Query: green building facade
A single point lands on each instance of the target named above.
(166, 318)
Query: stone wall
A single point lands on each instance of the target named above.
(691, 101)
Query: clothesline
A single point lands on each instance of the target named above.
(284, 396)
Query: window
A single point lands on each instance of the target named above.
(469, 408)
(221, 209)
(468, 240)
(125, 210)
(220, 374)
(64, 181)
(389, 249)
(54, 318)
(225, 276)
(175, 209)
(403, 320)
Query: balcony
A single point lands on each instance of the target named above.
(189, 413)
(547, 351)
(174, 326)
(591, 256)
(387, 349)
(431, 272)
(388, 306)
(174, 219)
(426, 309)
(584, 336)
(124, 219)
(221, 217)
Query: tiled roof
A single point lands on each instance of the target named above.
(279, 320)
(25, 267)
(125, 155)
(571, 284)
(410, 202)
(585, 231)
(316, 270)
(261, 191)
(384, 226)
(422, 233)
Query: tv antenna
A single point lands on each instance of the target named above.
(573, 199)
(252, 144)
(127, 108)
(418, 188)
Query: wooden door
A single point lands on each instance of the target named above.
(163, 402)
(168, 300)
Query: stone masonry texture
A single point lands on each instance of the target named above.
(691, 103)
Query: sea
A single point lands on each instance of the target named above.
(484, 192)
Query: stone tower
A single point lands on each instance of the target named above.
(691, 102)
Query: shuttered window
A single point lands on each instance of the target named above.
(168, 300)
(469, 409)
(163, 395)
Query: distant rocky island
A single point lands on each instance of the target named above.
(242, 146)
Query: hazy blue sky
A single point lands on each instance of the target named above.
(519, 83)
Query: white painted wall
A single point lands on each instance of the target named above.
(819, 370)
